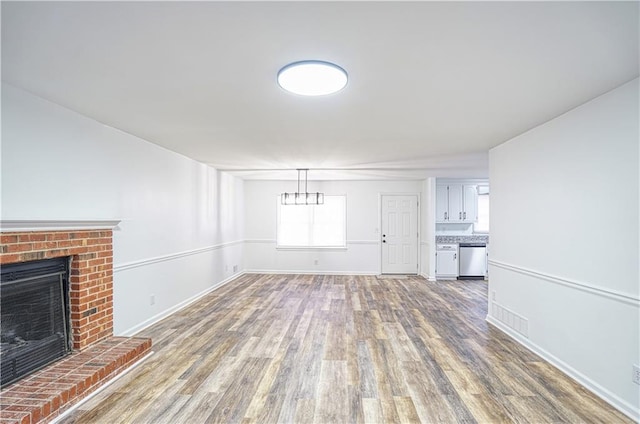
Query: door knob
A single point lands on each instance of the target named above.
(384, 241)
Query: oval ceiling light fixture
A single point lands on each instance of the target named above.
(312, 78)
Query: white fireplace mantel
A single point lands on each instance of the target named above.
(11, 225)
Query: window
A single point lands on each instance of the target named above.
(482, 226)
(313, 225)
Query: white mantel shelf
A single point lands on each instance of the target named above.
(12, 226)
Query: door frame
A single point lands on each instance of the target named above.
(379, 229)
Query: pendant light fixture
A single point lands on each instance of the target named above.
(302, 198)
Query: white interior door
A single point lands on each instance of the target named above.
(399, 235)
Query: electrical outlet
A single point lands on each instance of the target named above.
(315, 262)
(636, 374)
(235, 268)
(152, 299)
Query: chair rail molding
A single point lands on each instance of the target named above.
(579, 285)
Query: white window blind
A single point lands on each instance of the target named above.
(313, 225)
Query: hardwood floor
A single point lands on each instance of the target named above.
(338, 349)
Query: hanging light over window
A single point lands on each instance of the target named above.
(302, 198)
(312, 78)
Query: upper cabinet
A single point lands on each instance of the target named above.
(442, 203)
(470, 202)
(456, 202)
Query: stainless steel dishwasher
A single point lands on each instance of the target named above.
(473, 260)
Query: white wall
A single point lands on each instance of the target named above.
(182, 222)
(428, 234)
(564, 242)
(362, 255)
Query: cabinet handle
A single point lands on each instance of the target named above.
(460, 215)
(464, 215)
(445, 216)
(455, 255)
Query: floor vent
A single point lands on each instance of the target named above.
(512, 320)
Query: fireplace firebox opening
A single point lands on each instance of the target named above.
(34, 321)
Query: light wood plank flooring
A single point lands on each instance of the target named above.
(340, 349)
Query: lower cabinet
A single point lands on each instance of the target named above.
(446, 261)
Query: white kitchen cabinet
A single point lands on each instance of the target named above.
(456, 203)
(447, 261)
(442, 203)
(470, 201)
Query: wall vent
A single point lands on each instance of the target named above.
(509, 318)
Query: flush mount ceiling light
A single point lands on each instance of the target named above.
(312, 78)
(302, 198)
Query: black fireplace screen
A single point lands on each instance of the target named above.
(34, 324)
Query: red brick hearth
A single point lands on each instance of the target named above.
(47, 393)
(97, 356)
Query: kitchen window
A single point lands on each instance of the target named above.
(482, 225)
(313, 226)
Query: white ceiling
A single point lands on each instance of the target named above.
(433, 85)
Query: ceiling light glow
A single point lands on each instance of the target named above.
(312, 78)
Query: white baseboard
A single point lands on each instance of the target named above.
(147, 323)
(282, 271)
(609, 397)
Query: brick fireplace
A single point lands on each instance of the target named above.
(97, 355)
(91, 279)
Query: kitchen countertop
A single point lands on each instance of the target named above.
(476, 238)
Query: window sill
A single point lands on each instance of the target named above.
(311, 248)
